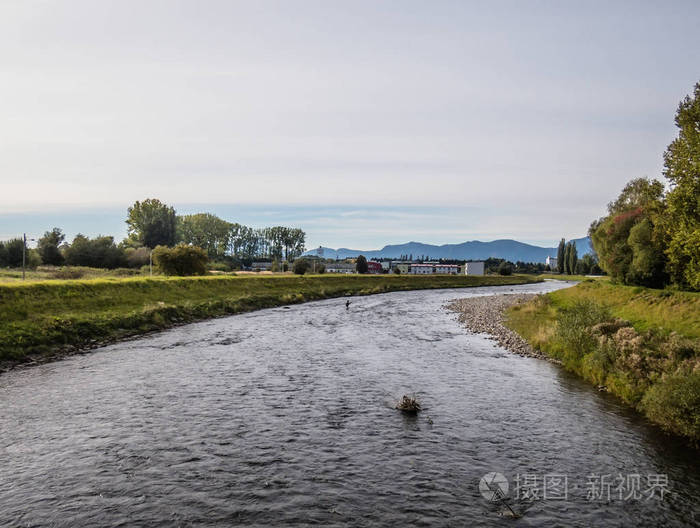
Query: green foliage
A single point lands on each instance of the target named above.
(674, 403)
(397, 271)
(505, 268)
(48, 247)
(181, 260)
(361, 265)
(301, 266)
(3, 255)
(628, 241)
(561, 256)
(152, 223)
(13, 252)
(682, 219)
(207, 231)
(642, 344)
(137, 257)
(99, 252)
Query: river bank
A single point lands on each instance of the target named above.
(485, 315)
(50, 319)
(639, 344)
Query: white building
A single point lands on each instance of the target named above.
(422, 269)
(447, 269)
(551, 262)
(340, 267)
(474, 268)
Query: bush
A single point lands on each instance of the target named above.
(301, 266)
(505, 268)
(674, 402)
(397, 271)
(13, 252)
(99, 252)
(181, 260)
(137, 257)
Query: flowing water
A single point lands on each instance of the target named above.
(285, 416)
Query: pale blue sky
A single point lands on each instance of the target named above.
(363, 122)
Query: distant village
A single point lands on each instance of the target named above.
(317, 264)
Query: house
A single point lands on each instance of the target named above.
(447, 269)
(402, 265)
(474, 268)
(340, 267)
(551, 262)
(374, 267)
(422, 269)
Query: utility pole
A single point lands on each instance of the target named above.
(24, 252)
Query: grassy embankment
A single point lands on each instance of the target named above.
(642, 345)
(49, 316)
(565, 277)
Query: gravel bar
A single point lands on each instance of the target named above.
(485, 315)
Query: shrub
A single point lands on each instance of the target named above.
(301, 266)
(505, 268)
(99, 252)
(397, 271)
(137, 257)
(181, 260)
(674, 402)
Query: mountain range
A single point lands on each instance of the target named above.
(511, 250)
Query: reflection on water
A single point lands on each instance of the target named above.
(285, 416)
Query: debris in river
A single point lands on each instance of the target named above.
(408, 404)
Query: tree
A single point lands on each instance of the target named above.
(682, 218)
(181, 260)
(13, 252)
(361, 264)
(625, 250)
(48, 247)
(505, 268)
(100, 252)
(565, 258)
(205, 230)
(573, 258)
(560, 256)
(301, 266)
(152, 223)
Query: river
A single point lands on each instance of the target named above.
(285, 416)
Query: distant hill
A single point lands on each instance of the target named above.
(474, 250)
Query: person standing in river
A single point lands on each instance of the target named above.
(347, 304)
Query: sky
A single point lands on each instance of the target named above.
(363, 122)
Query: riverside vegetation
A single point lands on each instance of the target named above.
(45, 317)
(641, 344)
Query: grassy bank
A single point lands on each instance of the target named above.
(640, 344)
(49, 316)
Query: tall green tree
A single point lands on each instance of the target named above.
(629, 241)
(573, 258)
(560, 256)
(206, 231)
(682, 218)
(48, 247)
(361, 264)
(152, 223)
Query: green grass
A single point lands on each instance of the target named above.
(565, 277)
(643, 345)
(41, 317)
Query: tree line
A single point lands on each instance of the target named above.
(151, 224)
(651, 234)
